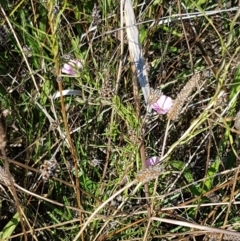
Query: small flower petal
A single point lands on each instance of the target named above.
(72, 67)
(67, 69)
(79, 64)
(163, 105)
(67, 66)
(76, 63)
(152, 161)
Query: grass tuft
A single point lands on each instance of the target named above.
(77, 83)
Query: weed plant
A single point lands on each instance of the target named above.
(75, 133)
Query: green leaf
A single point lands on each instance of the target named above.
(187, 173)
(179, 165)
(156, 2)
(46, 91)
(236, 83)
(9, 227)
(211, 172)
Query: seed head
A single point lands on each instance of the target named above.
(4, 176)
(182, 97)
(149, 173)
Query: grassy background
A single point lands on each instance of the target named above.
(99, 131)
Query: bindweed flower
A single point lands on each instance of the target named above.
(152, 161)
(72, 67)
(163, 104)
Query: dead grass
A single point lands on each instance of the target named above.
(99, 124)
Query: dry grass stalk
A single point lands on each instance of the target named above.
(5, 175)
(3, 141)
(237, 121)
(217, 236)
(182, 96)
(135, 48)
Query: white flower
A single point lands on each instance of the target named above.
(163, 104)
(72, 67)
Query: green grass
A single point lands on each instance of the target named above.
(101, 130)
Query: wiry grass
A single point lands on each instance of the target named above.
(95, 124)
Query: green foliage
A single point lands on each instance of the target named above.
(214, 168)
(107, 140)
(180, 166)
(10, 227)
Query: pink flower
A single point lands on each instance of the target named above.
(72, 67)
(152, 161)
(163, 105)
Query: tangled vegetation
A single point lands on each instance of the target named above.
(88, 153)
